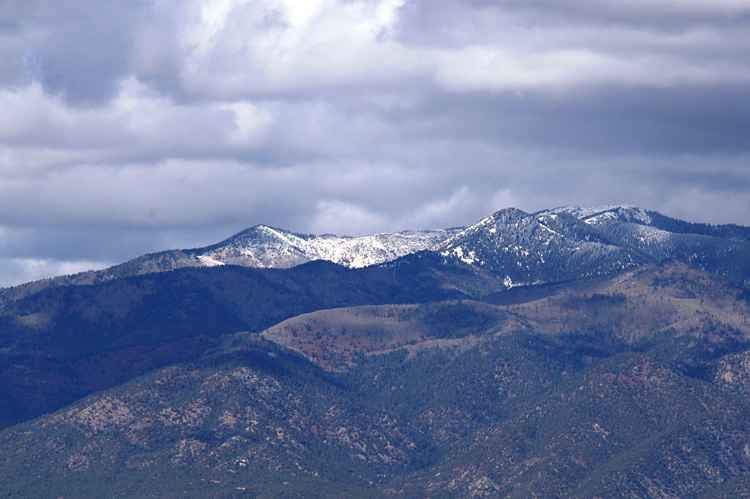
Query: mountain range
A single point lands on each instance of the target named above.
(573, 352)
(524, 248)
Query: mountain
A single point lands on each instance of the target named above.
(518, 248)
(721, 249)
(572, 353)
(523, 248)
(625, 386)
(55, 334)
(266, 247)
(62, 343)
(573, 242)
(259, 247)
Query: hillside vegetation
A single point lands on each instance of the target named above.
(571, 353)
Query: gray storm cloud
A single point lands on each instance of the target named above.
(129, 127)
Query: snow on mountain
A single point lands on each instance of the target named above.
(267, 247)
(523, 248)
(513, 246)
(720, 249)
(633, 225)
(629, 223)
(599, 214)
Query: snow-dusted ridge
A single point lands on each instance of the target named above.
(523, 248)
(596, 214)
(511, 245)
(267, 247)
(514, 246)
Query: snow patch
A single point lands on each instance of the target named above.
(209, 262)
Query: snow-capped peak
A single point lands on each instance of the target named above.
(490, 224)
(263, 246)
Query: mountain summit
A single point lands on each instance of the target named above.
(524, 248)
(266, 247)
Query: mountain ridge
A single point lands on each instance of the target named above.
(259, 246)
(523, 248)
(606, 239)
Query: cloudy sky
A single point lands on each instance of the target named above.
(132, 126)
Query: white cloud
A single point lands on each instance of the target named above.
(39, 131)
(338, 217)
(235, 49)
(707, 206)
(463, 206)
